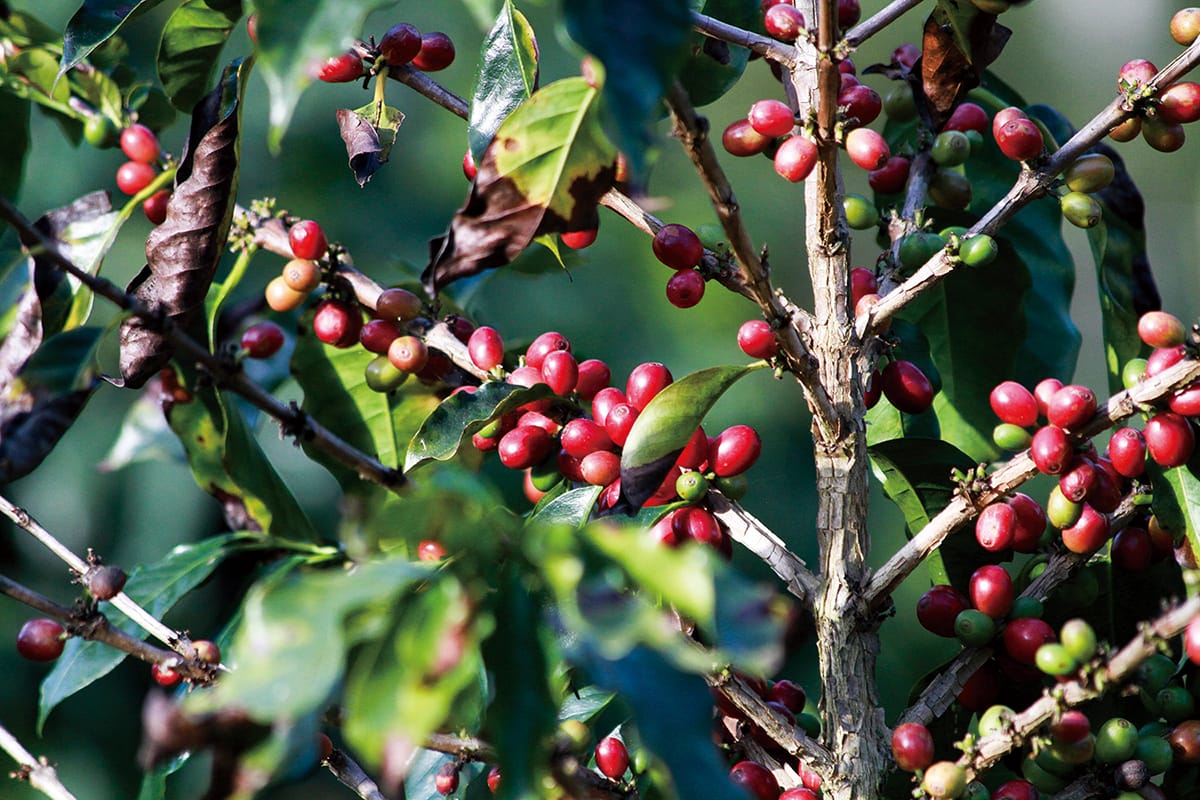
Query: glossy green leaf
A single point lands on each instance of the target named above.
(672, 711)
(520, 719)
(1177, 498)
(641, 45)
(713, 66)
(1118, 247)
(585, 703)
(301, 619)
(191, 42)
(916, 476)
(33, 74)
(544, 172)
(337, 395)
(14, 143)
(460, 415)
(156, 587)
(93, 24)
(228, 462)
(295, 37)
(405, 684)
(570, 508)
(508, 75)
(666, 424)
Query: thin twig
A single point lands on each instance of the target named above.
(1033, 182)
(1018, 470)
(776, 51)
(351, 775)
(877, 22)
(752, 279)
(93, 626)
(224, 374)
(140, 616)
(748, 531)
(1092, 683)
(38, 772)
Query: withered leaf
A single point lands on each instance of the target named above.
(544, 172)
(28, 436)
(369, 133)
(183, 252)
(948, 71)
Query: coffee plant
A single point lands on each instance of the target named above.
(543, 576)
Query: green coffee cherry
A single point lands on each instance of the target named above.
(918, 247)
(382, 376)
(861, 213)
(1054, 659)
(993, 718)
(1080, 210)
(978, 250)
(733, 487)
(1061, 512)
(974, 628)
(1026, 607)
(950, 189)
(1078, 638)
(1116, 741)
(691, 486)
(1011, 437)
(950, 149)
(1089, 173)
(899, 104)
(1156, 752)
(1133, 372)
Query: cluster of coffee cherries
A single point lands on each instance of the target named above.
(556, 438)
(140, 146)
(1161, 115)
(788, 699)
(402, 44)
(680, 248)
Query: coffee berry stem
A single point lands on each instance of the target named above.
(38, 772)
(1019, 469)
(874, 24)
(1120, 666)
(782, 54)
(1030, 184)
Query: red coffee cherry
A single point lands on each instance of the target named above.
(341, 68)
(741, 140)
(1077, 480)
(430, 550)
(755, 779)
(891, 177)
(967, 117)
(1170, 439)
(1089, 533)
(771, 118)
(207, 651)
(408, 354)
(1050, 450)
(133, 176)
(140, 144)
(436, 53)
(1071, 406)
(1127, 452)
(906, 387)
(1131, 549)
(1135, 72)
(307, 240)
(543, 346)
(784, 22)
(583, 436)
(1016, 790)
(165, 677)
(560, 372)
(790, 694)
(1020, 139)
(262, 340)
(939, 607)
(1161, 329)
(578, 240)
(991, 590)
(485, 347)
(1022, 638)
(41, 639)
(1191, 640)
(645, 381)
(604, 401)
(734, 451)
(155, 206)
(849, 12)
(524, 446)
(795, 158)
(1044, 390)
(594, 375)
(862, 283)
(1031, 523)
(912, 746)
(677, 246)
(446, 779)
(612, 758)
(1073, 726)
(619, 422)
(1180, 103)
(1015, 404)
(867, 148)
(105, 582)
(337, 322)
(400, 44)
(863, 104)
(756, 339)
(398, 304)
(1163, 358)
(995, 527)
(468, 167)
(377, 335)
(685, 288)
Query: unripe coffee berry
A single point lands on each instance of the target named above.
(105, 582)
(301, 274)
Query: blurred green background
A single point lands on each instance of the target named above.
(611, 304)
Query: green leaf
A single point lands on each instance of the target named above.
(672, 712)
(406, 683)
(570, 508)
(508, 75)
(712, 66)
(228, 462)
(460, 415)
(521, 716)
(585, 703)
(1177, 498)
(641, 45)
(337, 395)
(156, 587)
(94, 23)
(915, 474)
(301, 619)
(295, 37)
(666, 424)
(14, 143)
(544, 172)
(191, 42)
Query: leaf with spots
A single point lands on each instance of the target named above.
(957, 47)
(368, 133)
(183, 253)
(544, 172)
